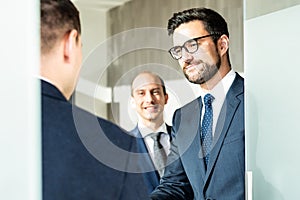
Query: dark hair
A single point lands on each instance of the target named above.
(58, 17)
(163, 85)
(148, 72)
(213, 22)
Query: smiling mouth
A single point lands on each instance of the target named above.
(151, 108)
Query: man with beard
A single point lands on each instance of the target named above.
(209, 131)
(148, 98)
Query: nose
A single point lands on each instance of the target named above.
(148, 97)
(186, 56)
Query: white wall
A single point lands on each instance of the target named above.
(93, 17)
(20, 171)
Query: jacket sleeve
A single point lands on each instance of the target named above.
(174, 184)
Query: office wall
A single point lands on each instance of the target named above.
(20, 169)
(93, 17)
(272, 69)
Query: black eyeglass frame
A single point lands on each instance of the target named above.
(193, 39)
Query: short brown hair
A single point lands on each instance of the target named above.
(58, 17)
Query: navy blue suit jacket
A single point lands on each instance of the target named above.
(186, 178)
(150, 174)
(76, 160)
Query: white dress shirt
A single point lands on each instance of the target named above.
(219, 93)
(164, 139)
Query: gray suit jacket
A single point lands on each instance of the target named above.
(186, 178)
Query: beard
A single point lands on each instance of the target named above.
(203, 72)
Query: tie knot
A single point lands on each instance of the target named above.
(208, 98)
(156, 136)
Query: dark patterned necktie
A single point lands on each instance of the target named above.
(206, 128)
(159, 153)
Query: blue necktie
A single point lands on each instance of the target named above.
(206, 129)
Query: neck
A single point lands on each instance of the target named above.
(59, 86)
(153, 124)
(221, 73)
(51, 70)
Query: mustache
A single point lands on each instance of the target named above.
(188, 63)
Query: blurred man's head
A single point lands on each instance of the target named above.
(61, 54)
(149, 97)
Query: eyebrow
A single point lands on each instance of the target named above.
(141, 89)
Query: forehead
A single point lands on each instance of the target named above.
(143, 81)
(188, 31)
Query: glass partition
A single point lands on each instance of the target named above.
(272, 69)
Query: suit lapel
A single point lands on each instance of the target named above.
(189, 137)
(229, 107)
(169, 130)
(146, 163)
(142, 148)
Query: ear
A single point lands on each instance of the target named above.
(70, 44)
(223, 44)
(166, 98)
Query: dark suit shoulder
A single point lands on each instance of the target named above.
(83, 156)
(191, 106)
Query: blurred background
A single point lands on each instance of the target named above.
(121, 38)
(124, 37)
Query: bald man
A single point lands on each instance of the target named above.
(148, 98)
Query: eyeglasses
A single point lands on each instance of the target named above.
(190, 46)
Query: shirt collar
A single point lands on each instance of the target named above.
(145, 131)
(44, 79)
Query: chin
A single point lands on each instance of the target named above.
(195, 79)
(151, 117)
